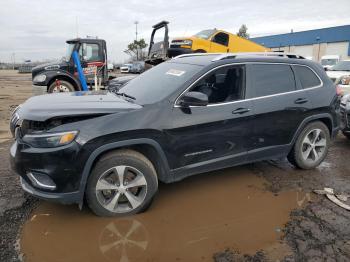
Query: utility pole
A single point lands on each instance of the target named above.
(13, 60)
(77, 26)
(137, 50)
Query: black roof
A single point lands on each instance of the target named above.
(85, 40)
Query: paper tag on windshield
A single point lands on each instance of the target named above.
(175, 72)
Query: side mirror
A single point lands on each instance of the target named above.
(194, 99)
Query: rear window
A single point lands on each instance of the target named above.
(270, 79)
(306, 76)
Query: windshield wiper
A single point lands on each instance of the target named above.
(125, 95)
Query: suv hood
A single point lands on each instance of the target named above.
(41, 108)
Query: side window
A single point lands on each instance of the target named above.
(270, 79)
(223, 85)
(221, 38)
(306, 76)
(89, 52)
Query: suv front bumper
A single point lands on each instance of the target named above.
(48, 173)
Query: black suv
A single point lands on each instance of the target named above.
(190, 115)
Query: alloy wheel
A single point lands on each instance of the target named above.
(314, 145)
(121, 189)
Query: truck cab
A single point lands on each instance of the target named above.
(62, 76)
(328, 61)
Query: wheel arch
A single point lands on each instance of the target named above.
(148, 147)
(325, 118)
(64, 77)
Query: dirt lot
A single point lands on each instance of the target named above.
(259, 212)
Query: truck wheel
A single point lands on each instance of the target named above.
(63, 86)
(121, 183)
(311, 147)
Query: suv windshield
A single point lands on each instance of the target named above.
(341, 66)
(205, 34)
(159, 82)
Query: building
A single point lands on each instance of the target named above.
(313, 43)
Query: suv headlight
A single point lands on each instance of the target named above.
(344, 80)
(49, 140)
(39, 78)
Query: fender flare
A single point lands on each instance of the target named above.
(63, 74)
(102, 149)
(311, 119)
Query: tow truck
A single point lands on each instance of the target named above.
(62, 76)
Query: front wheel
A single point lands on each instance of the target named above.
(311, 147)
(121, 183)
(60, 86)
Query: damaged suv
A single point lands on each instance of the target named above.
(190, 115)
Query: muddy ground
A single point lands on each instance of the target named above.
(259, 212)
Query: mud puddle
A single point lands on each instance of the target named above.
(188, 221)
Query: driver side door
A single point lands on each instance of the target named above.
(217, 134)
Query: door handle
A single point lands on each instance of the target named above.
(301, 101)
(240, 111)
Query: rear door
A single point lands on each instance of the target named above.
(280, 106)
(219, 132)
(220, 43)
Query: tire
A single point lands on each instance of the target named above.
(347, 135)
(65, 86)
(200, 51)
(311, 146)
(118, 199)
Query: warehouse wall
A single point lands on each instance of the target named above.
(318, 50)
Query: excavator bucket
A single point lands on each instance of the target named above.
(158, 52)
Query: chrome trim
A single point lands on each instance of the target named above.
(248, 99)
(37, 183)
(275, 54)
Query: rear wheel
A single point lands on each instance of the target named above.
(60, 86)
(200, 51)
(122, 183)
(311, 147)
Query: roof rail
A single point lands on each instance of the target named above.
(221, 56)
(195, 54)
(274, 54)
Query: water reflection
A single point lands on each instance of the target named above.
(188, 221)
(118, 237)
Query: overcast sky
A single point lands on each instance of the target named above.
(37, 29)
